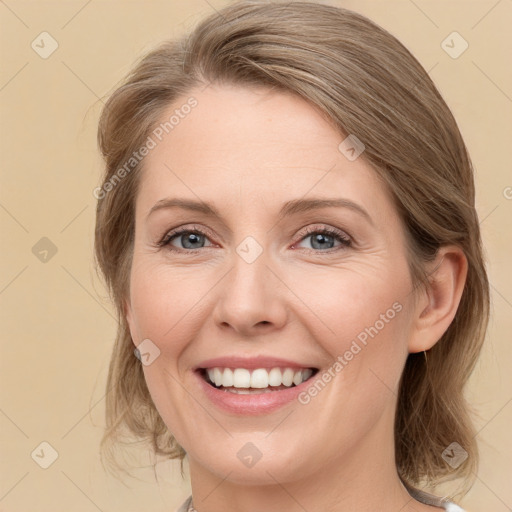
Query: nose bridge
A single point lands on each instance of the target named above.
(250, 275)
(249, 295)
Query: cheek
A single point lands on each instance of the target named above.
(361, 318)
(354, 304)
(170, 399)
(361, 384)
(163, 300)
(370, 351)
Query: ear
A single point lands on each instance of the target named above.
(437, 305)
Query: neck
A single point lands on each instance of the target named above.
(362, 479)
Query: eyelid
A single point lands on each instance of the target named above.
(324, 227)
(345, 238)
(183, 229)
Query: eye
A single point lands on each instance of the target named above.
(191, 239)
(323, 238)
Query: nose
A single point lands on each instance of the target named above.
(251, 298)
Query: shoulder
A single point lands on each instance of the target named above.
(451, 507)
(186, 504)
(430, 499)
(421, 496)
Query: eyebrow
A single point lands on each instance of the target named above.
(289, 208)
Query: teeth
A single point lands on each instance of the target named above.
(260, 378)
(297, 378)
(288, 375)
(241, 378)
(217, 376)
(227, 378)
(274, 377)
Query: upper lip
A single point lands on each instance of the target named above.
(250, 362)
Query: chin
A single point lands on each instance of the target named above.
(258, 463)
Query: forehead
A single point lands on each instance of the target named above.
(252, 124)
(249, 143)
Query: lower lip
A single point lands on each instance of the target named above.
(252, 404)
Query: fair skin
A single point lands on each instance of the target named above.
(247, 152)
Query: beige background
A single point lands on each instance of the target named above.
(58, 327)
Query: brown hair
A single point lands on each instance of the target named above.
(368, 84)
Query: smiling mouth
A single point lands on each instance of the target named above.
(257, 381)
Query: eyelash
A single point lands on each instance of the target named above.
(342, 237)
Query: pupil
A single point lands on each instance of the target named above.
(192, 238)
(321, 238)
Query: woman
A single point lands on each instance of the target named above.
(287, 227)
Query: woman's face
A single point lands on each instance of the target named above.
(260, 284)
